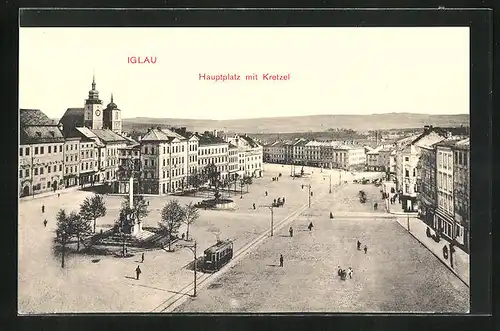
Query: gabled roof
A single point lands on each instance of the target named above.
(40, 134)
(36, 117)
(161, 135)
(88, 134)
(301, 142)
(250, 141)
(232, 146)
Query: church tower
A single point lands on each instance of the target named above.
(93, 109)
(113, 117)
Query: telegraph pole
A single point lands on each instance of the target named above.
(272, 216)
(193, 250)
(309, 187)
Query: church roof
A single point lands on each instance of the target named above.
(40, 134)
(34, 117)
(72, 118)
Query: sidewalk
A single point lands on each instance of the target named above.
(50, 193)
(396, 209)
(460, 258)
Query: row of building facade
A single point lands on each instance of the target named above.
(430, 170)
(330, 154)
(87, 147)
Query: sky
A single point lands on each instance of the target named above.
(332, 70)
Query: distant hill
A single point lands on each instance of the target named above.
(304, 123)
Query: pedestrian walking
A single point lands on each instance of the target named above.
(137, 272)
(339, 271)
(365, 249)
(254, 206)
(310, 226)
(349, 272)
(291, 231)
(142, 258)
(45, 223)
(266, 193)
(283, 200)
(359, 245)
(281, 260)
(58, 195)
(43, 208)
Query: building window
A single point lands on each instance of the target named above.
(26, 173)
(48, 169)
(36, 150)
(60, 166)
(21, 152)
(407, 173)
(60, 149)
(36, 171)
(41, 171)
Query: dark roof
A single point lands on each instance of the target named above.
(250, 141)
(108, 136)
(220, 245)
(232, 146)
(72, 118)
(447, 143)
(209, 139)
(40, 134)
(34, 117)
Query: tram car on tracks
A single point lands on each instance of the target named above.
(218, 255)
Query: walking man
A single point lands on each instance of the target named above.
(58, 195)
(291, 231)
(359, 246)
(310, 226)
(281, 260)
(45, 223)
(365, 249)
(137, 272)
(43, 208)
(254, 206)
(142, 258)
(266, 193)
(339, 271)
(349, 272)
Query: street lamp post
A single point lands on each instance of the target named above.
(408, 222)
(309, 194)
(272, 217)
(193, 250)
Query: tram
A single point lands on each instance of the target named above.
(218, 255)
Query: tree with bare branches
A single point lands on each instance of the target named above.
(190, 216)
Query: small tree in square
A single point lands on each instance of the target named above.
(172, 216)
(92, 208)
(82, 227)
(65, 230)
(190, 216)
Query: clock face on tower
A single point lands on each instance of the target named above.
(97, 112)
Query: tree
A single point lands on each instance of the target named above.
(190, 216)
(65, 230)
(213, 176)
(82, 227)
(92, 208)
(247, 180)
(140, 208)
(172, 216)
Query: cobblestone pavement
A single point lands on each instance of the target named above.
(397, 275)
(106, 284)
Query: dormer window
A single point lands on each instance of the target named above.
(52, 133)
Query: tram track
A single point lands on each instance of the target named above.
(174, 301)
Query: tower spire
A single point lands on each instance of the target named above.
(93, 80)
(111, 97)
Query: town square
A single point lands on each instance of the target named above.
(146, 192)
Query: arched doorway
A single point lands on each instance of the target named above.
(54, 185)
(26, 191)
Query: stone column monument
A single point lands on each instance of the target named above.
(137, 227)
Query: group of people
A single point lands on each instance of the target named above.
(359, 247)
(342, 273)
